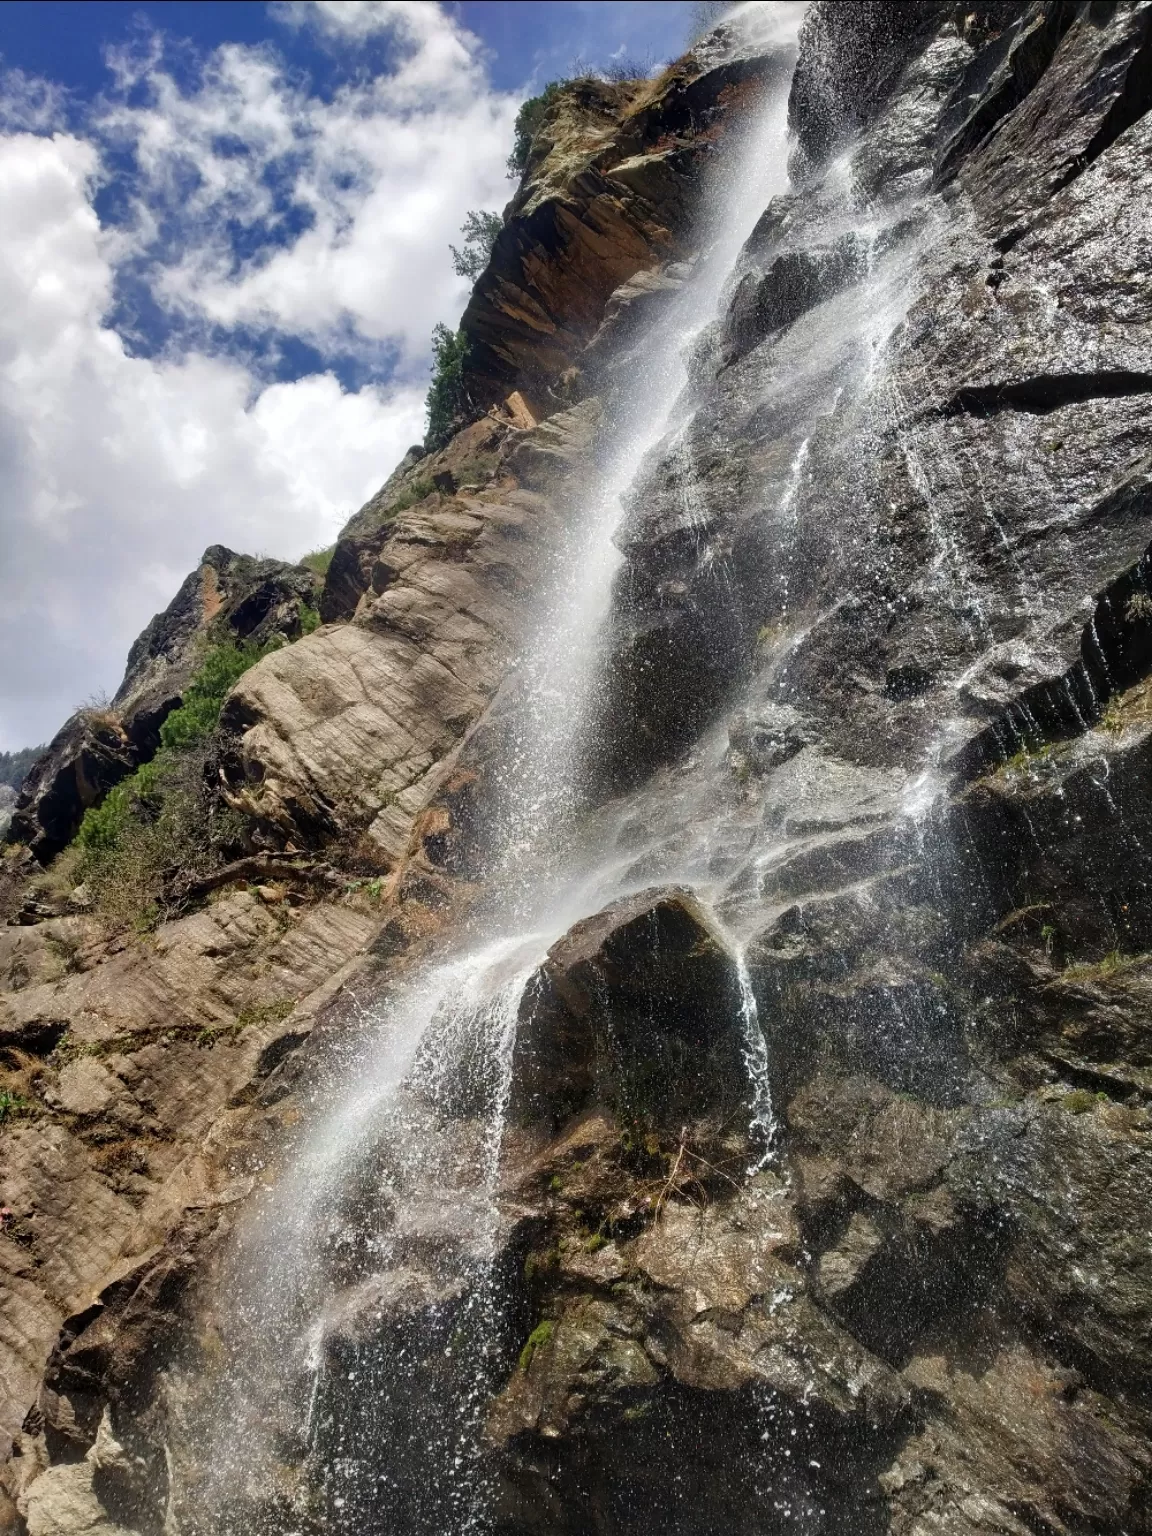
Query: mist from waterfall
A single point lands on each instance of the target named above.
(397, 1177)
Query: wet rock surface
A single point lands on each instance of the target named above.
(873, 761)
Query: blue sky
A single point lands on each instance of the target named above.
(65, 40)
(224, 237)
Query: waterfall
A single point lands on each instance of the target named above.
(542, 768)
(409, 1118)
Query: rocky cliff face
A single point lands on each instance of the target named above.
(229, 597)
(805, 1181)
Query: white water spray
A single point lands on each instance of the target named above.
(452, 1032)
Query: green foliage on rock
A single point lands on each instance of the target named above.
(447, 396)
(13, 1105)
(104, 825)
(480, 230)
(409, 497)
(196, 718)
(539, 1335)
(318, 560)
(161, 819)
(529, 120)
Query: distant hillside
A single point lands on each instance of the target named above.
(14, 765)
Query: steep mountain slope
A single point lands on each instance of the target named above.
(868, 774)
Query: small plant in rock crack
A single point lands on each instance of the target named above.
(264, 1013)
(538, 1337)
(1138, 609)
(1113, 964)
(1026, 760)
(14, 1105)
(1112, 720)
(1080, 1100)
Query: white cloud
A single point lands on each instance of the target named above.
(117, 470)
(384, 173)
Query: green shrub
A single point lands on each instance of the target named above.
(529, 121)
(309, 617)
(223, 665)
(13, 1105)
(480, 230)
(447, 397)
(155, 823)
(318, 560)
(103, 825)
(162, 818)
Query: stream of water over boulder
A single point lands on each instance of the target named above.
(742, 1124)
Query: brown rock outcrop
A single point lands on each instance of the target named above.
(611, 183)
(125, 1059)
(350, 731)
(228, 597)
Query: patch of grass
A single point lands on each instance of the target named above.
(14, 1105)
(1114, 963)
(409, 496)
(318, 560)
(1079, 1101)
(594, 1243)
(539, 1336)
(265, 1013)
(66, 949)
(309, 617)
(212, 1033)
(1026, 760)
(163, 819)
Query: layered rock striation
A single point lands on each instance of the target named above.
(805, 1180)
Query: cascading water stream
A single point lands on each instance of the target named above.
(541, 776)
(420, 1105)
(394, 1191)
(762, 1121)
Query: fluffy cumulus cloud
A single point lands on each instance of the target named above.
(145, 409)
